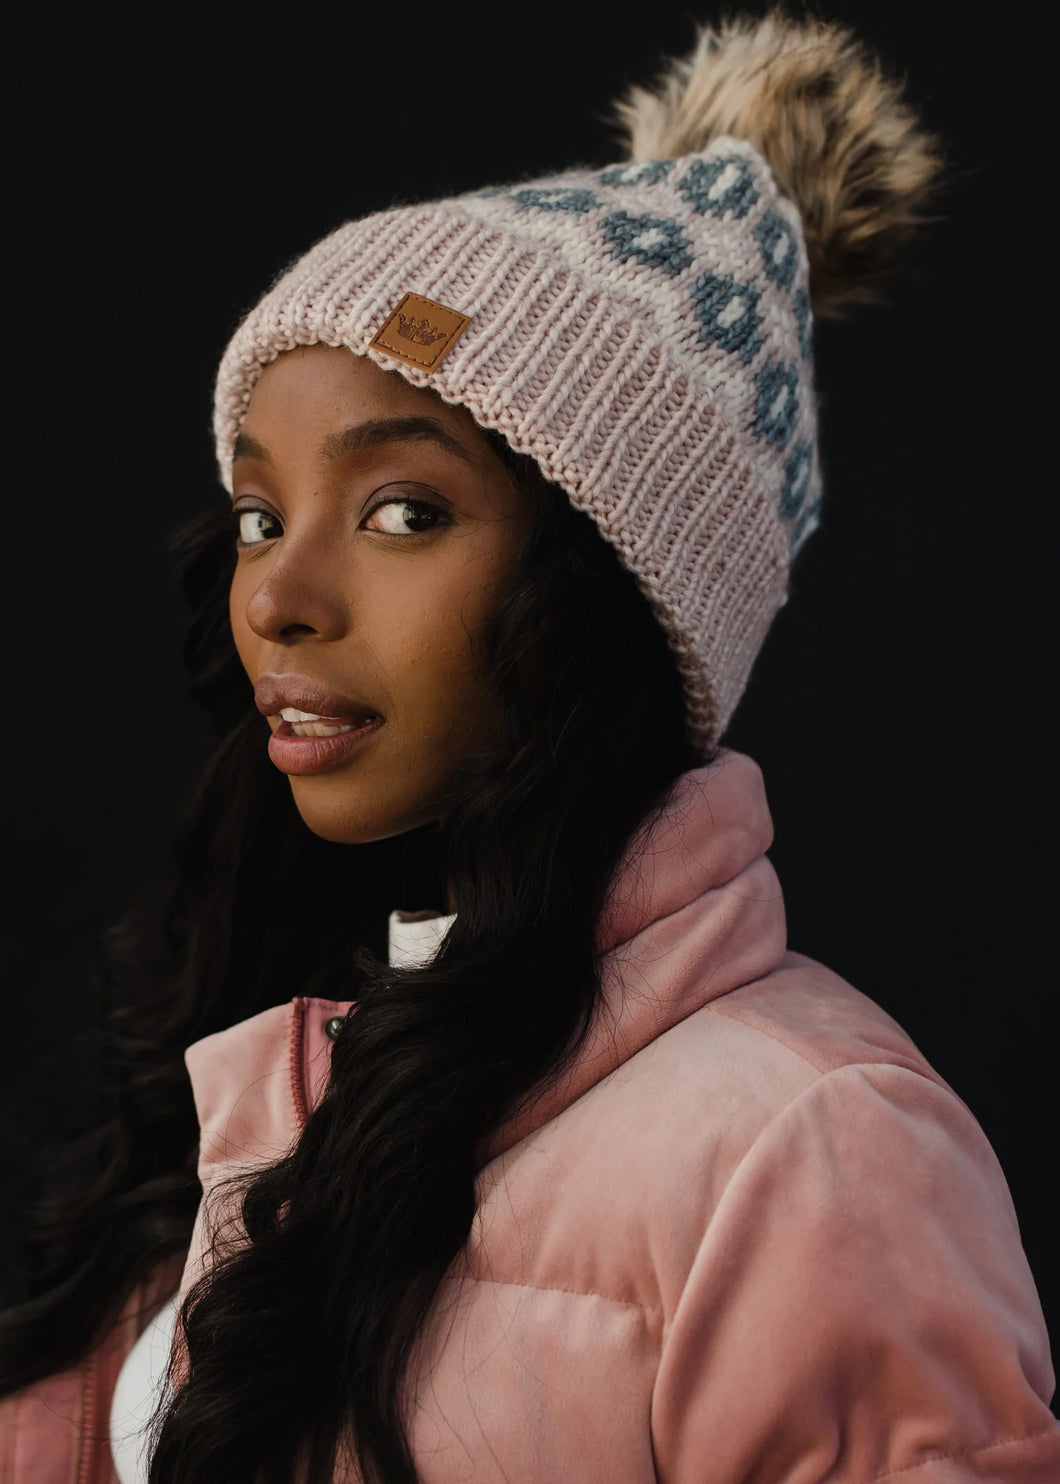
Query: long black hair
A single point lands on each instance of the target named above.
(298, 1342)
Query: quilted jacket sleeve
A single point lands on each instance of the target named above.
(57, 1430)
(860, 1308)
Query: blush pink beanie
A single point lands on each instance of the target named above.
(644, 331)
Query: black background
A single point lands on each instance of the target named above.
(169, 161)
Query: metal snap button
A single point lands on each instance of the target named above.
(333, 1026)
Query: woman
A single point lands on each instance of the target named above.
(584, 1176)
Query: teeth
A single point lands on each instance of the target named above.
(318, 728)
(309, 724)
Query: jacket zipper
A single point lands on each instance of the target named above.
(88, 1431)
(296, 1063)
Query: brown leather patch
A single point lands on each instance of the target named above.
(420, 332)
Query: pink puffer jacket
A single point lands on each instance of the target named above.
(751, 1237)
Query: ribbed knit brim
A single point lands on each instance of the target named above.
(642, 333)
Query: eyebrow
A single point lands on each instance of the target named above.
(373, 434)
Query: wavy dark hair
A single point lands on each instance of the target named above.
(299, 1341)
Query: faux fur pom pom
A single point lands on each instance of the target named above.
(840, 139)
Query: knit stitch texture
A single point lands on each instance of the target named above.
(644, 333)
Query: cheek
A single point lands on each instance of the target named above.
(237, 618)
(438, 641)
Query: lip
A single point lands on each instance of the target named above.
(300, 756)
(273, 692)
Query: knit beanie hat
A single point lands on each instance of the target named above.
(644, 331)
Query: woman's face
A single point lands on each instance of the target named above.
(377, 527)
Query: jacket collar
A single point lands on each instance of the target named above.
(696, 910)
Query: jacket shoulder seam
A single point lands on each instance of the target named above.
(924, 1073)
(558, 1288)
(758, 1030)
(973, 1452)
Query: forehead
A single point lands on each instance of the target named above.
(314, 390)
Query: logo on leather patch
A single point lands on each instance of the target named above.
(420, 332)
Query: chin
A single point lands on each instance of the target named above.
(350, 821)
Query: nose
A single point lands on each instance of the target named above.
(300, 596)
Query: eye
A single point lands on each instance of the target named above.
(404, 517)
(256, 526)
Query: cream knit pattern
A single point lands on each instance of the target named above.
(643, 332)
